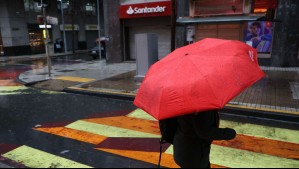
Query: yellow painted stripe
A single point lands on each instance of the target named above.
(262, 109)
(279, 134)
(102, 91)
(234, 158)
(34, 158)
(108, 131)
(75, 79)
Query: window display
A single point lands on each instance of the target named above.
(36, 41)
(259, 35)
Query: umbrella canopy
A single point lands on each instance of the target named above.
(202, 76)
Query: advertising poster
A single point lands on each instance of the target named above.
(259, 35)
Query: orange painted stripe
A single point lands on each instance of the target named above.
(9, 83)
(130, 123)
(150, 157)
(74, 134)
(262, 145)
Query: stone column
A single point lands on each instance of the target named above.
(286, 35)
(112, 31)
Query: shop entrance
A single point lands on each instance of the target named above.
(36, 40)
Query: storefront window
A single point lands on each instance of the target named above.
(259, 35)
(31, 6)
(36, 40)
(87, 7)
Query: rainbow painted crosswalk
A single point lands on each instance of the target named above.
(136, 136)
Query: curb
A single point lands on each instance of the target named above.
(101, 93)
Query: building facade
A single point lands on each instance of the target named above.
(22, 33)
(270, 26)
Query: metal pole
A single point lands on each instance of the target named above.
(64, 35)
(99, 29)
(46, 39)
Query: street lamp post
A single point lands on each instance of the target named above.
(46, 38)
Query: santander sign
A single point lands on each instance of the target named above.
(145, 10)
(137, 10)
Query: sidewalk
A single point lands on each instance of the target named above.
(277, 94)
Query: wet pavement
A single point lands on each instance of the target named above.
(278, 92)
(55, 129)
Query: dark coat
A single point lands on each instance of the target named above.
(195, 133)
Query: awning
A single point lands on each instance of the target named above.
(186, 20)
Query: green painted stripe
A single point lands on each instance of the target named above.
(234, 158)
(34, 158)
(140, 114)
(279, 134)
(108, 131)
(169, 150)
(16, 90)
(12, 90)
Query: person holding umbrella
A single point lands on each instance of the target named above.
(194, 136)
(192, 83)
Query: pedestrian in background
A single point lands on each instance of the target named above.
(194, 136)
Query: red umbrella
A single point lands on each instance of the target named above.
(202, 76)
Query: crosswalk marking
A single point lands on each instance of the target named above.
(255, 146)
(236, 158)
(34, 158)
(108, 131)
(74, 134)
(272, 133)
(262, 145)
(129, 123)
(12, 90)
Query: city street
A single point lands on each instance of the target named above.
(50, 129)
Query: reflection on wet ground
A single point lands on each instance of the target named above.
(9, 74)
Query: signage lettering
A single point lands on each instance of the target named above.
(137, 10)
(154, 9)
